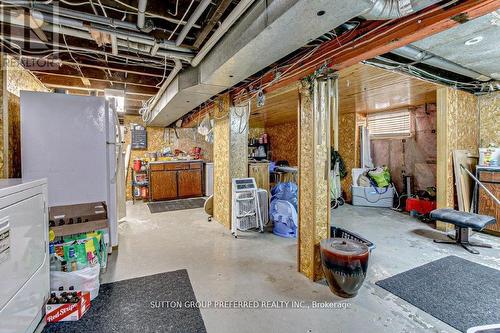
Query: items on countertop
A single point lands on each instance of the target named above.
(489, 156)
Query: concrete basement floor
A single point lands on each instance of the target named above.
(263, 267)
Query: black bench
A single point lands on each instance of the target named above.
(462, 222)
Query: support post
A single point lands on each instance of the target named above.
(316, 102)
(457, 128)
(230, 154)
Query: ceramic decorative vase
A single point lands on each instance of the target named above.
(345, 263)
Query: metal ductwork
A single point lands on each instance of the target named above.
(414, 53)
(161, 99)
(391, 9)
(267, 32)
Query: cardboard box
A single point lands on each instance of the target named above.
(95, 213)
(67, 311)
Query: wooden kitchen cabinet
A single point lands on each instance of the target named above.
(260, 171)
(189, 183)
(176, 180)
(491, 180)
(163, 185)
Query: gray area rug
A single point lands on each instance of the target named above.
(126, 306)
(459, 292)
(168, 206)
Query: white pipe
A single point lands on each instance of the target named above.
(239, 10)
(202, 6)
(171, 76)
(127, 35)
(141, 13)
(123, 40)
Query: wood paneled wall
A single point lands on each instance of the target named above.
(284, 142)
(230, 156)
(457, 128)
(349, 148)
(489, 117)
(13, 78)
(314, 193)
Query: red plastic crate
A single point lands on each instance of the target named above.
(421, 206)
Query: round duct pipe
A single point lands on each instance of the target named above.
(392, 9)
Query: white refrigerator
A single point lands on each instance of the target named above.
(74, 142)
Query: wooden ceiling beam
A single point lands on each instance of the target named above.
(219, 11)
(51, 80)
(72, 88)
(41, 74)
(114, 68)
(100, 74)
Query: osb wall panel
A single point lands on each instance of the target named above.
(222, 149)
(239, 142)
(284, 141)
(256, 132)
(313, 187)
(489, 117)
(14, 136)
(416, 155)
(2, 73)
(348, 149)
(17, 79)
(188, 138)
(458, 128)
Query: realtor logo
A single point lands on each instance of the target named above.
(30, 35)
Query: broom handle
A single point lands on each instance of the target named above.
(481, 184)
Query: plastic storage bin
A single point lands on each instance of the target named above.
(372, 196)
(343, 233)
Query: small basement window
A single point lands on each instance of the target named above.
(389, 124)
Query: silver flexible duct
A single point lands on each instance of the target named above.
(391, 9)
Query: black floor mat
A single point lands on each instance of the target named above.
(459, 292)
(168, 206)
(135, 306)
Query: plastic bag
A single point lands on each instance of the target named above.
(286, 191)
(285, 219)
(381, 176)
(86, 279)
(205, 126)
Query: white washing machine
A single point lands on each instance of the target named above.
(24, 257)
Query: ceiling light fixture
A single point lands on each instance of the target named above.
(473, 41)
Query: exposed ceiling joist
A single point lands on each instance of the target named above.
(114, 68)
(43, 74)
(75, 87)
(77, 82)
(224, 4)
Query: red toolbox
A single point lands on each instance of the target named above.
(421, 206)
